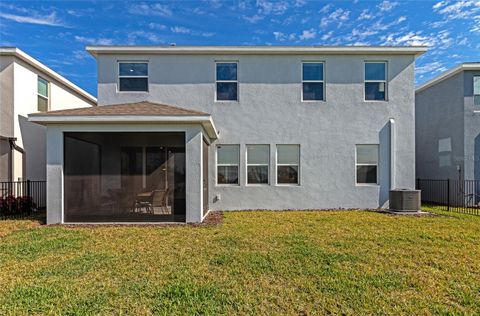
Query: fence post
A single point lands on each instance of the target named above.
(448, 194)
(28, 187)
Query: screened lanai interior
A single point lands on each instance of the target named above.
(124, 177)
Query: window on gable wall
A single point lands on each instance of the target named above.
(226, 81)
(476, 90)
(312, 81)
(133, 76)
(42, 95)
(375, 81)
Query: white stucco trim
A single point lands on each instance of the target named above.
(448, 74)
(257, 50)
(13, 51)
(392, 154)
(205, 120)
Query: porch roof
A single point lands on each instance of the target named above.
(139, 112)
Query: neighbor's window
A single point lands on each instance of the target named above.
(375, 81)
(228, 161)
(133, 76)
(476, 90)
(288, 162)
(226, 81)
(367, 164)
(42, 95)
(258, 164)
(312, 81)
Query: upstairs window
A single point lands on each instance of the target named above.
(288, 162)
(367, 164)
(42, 95)
(476, 90)
(375, 81)
(133, 76)
(258, 164)
(226, 81)
(312, 81)
(228, 161)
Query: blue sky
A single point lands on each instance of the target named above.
(57, 32)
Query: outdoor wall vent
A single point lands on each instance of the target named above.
(405, 200)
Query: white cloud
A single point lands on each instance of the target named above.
(338, 16)
(34, 18)
(327, 36)
(149, 36)
(463, 9)
(410, 39)
(366, 15)
(80, 12)
(308, 34)
(325, 8)
(157, 26)
(274, 7)
(93, 41)
(431, 67)
(184, 30)
(279, 36)
(155, 9)
(386, 6)
(253, 19)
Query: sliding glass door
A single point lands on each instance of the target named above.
(124, 177)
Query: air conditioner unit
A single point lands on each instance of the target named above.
(405, 200)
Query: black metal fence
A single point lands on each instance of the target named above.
(461, 196)
(22, 199)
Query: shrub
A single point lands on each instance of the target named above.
(11, 205)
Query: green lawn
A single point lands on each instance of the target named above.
(305, 263)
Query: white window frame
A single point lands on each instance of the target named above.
(256, 165)
(42, 96)
(288, 165)
(136, 77)
(377, 183)
(473, 89)
(226, 81)
(375, 81)
(313, 81)
(227, 165)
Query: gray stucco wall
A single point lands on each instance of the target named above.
(472, 128)
(439, 128)
(270, 111)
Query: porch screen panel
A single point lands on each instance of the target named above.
(124, 177)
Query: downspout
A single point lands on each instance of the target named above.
(13, 145)
(392, 154)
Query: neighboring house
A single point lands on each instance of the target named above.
(180, 131)
(448, 125)
(27, 86)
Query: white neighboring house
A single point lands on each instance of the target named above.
(28, 86)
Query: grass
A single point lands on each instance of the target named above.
(339, 262)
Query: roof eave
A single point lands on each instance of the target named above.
(241, 50)
(205, 120)
(447, 74)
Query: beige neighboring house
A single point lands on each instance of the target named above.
(28, 86)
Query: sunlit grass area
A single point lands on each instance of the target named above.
(253, 263)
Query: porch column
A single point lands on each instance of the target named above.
(54, 175)
(193, 177)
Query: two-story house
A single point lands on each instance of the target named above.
(28, 86)
(180, 131)
(448, 125)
